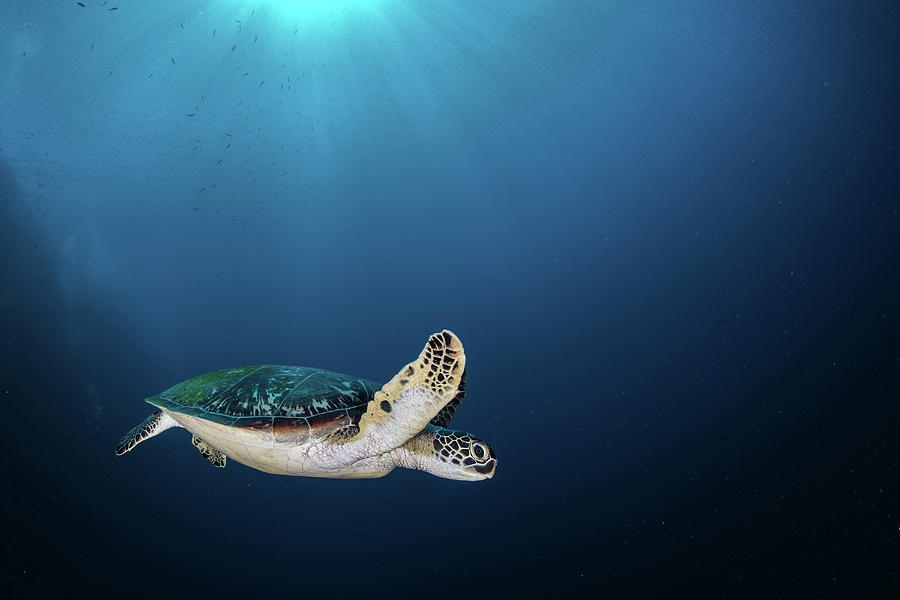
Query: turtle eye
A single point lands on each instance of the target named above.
(479, 451)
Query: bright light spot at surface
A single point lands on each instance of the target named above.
(308, 9)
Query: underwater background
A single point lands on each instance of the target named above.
(666, 233)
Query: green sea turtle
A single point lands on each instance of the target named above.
(313, 422)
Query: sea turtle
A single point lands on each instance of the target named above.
(318, 423)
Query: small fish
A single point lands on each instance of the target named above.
(150, 75)
(195, 208)
(228, 146)
(182, 24)
(191, 115)
(81, 4)
(233, 46)
(109, 74)
(172, 59)
(262, 82)
(245, 74)
(219, 161)
(228, 134)
(92, 46)
(203, 189)
(114, 8)
(255, 38)
(214, 33)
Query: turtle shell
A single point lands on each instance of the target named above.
(263, 394)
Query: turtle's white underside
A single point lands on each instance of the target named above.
(259, 450)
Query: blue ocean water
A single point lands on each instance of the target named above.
(665, 232)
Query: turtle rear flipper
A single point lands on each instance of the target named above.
(211, 454)
(415, 396)
(156, 423)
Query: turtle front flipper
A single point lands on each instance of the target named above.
(443, 418)
(415, 396)
(156, 423)
(209, 453)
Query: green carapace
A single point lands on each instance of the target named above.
(318, 423)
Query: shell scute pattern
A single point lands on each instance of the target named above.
(326, 391)
(240, 396)
(258, 394)
(197, 391)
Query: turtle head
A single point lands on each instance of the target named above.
(452, 454)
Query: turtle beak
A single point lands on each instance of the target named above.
(487, 469)
(476, 472)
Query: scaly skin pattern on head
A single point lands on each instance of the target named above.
(441, 452)
(448, 453)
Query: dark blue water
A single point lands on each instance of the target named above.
(666, 233)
